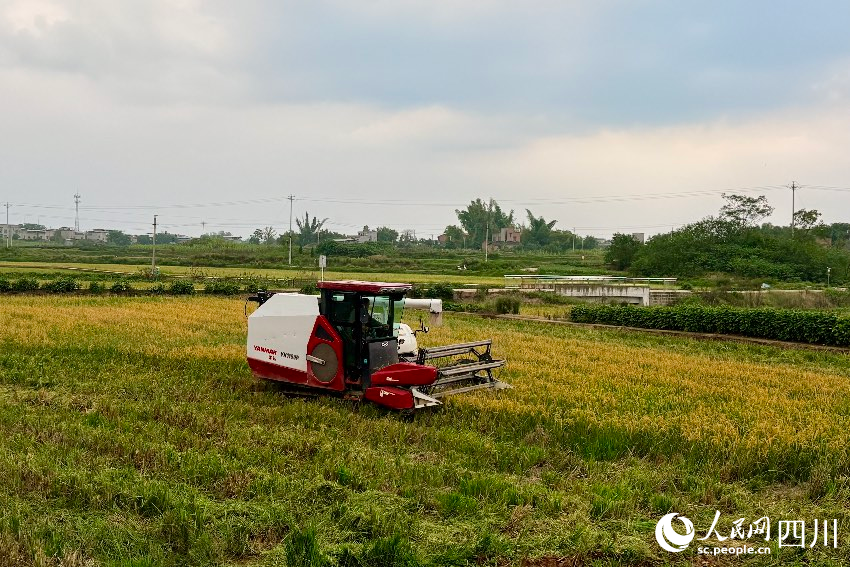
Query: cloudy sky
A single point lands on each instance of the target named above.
(604, 115)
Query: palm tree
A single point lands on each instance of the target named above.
(308, 229)
(538, 231)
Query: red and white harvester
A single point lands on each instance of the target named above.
(346, 341)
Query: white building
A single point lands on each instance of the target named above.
(13, 229)
(367, 236)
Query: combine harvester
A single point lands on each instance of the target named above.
(347, 341)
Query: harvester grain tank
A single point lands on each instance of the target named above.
(346, 342)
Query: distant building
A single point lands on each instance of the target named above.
(98, 235)
(13, 229)
(639, 236)
(63, 234)
(33, 234)
(443, 238)
(182, 238)
(367, 236)
(509, 235)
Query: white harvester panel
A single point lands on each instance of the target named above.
(278, 331)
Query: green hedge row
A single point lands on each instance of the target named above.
(67, 284)
(816, 327)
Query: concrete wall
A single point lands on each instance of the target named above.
(637, 294)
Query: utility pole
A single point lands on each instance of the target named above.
(153, 255)
(574, 239)
(203, 227)
(77, 215)
(291, 198)
(793, 191)
(8, 228)
(487, 230)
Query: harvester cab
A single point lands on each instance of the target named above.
(346, 341)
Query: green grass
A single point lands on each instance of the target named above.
(131, 433)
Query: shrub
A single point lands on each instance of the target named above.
(5, 285)
(309, 289)
(158, 288)
(507, 304)
(440, 290)
(64, 284)
(95, 287)
(121, 286)
(222, 287)
(181, 287)
(25, 284)
(817, 327)
(467, 307)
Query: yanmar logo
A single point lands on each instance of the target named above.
(274, 353)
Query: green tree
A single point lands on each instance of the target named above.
(118, 238)
(308, 229)
(622, 251)
(480, 218)
(538, 230)
(269, 235)
(457, 237)
(256, 237)
(745, 211)
(386, 234)
(806, 219)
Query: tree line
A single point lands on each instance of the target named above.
(735, 241)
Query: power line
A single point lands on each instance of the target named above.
(403, 202)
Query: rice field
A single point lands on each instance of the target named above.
(131, 433)
(80, 270)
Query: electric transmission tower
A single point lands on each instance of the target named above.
(77, 216)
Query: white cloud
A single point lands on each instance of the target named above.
(433, 102)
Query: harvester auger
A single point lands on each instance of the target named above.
(346, 341)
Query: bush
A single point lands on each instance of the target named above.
(816, 327)
(440, 290)
(65, 284)
(25, 284)
(95, 287)
(157, 288)
(222, 287)
(309, 289)
(463, 307)
(507, 304)
(5, 285)
(181, 287)
(121, 286)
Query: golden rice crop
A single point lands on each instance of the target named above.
(132, 431)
